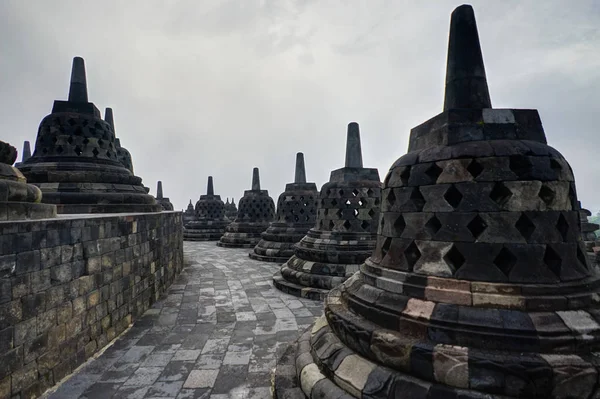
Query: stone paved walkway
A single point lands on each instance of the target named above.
(216, 335)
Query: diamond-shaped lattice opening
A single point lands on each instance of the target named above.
(399, 226)
(296, 218)
(54, 139)
(433, 225)
(355, 212)
(412, 254)
(555, 165)
(525, 226)
(454, 258)
(453, 196)
(475, 168)
(371, 213)
(553, 260)
(347, 224)
(78, 131)
(348, 203)
(434, 171)
(361, 202)
(405, 175)
(333, 202)
(505, 260)
(92, 131)
(386, 246)
(97, 125)
(78, 150)
(85, 141)
(70, 140)
(328, 192)
(547, 194)
(520, 165)
(387, 179)
(59, 149)
(72, 122)
(326, 212)
(108, 154)
(562, 226)
(355, 192)
(500, 194)
(44, 150)
(341, 192)
(477, 226)
(391, 198)
(365, 225)
(95, 152)
(581, 257)
(369, 192)
(339, 213)
(417, 199)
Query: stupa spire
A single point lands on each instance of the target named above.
(300, 175)
(78, 88)
(255, 179)
(210, 190)
(159, 190)
(353, 148)
(466, 84)
(109, 118)
(26, 151)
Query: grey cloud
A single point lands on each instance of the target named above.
(219, 87)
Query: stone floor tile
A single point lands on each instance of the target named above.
(215, 334)
(201, 379)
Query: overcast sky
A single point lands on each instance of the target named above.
(216, 87)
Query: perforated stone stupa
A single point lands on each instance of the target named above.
(296, 214)
(75, 163)
(19, 200)
(210, 221)
(479, 286)
(588, 234)
(189, 214)
(255, 213)
(345, 230)
(230, 210)
(165, 202)
(123, 154)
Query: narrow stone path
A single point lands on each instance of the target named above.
(215, 335)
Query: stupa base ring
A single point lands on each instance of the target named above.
(300, 291)
(268, 258)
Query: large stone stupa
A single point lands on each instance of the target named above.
(344, 233)
(75, 162)
(189, 214)
(255, 212)
(230, 209)
(296, 214)
(479, 286)
(19, 200)
(210, 221)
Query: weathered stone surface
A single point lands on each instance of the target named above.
(255, 212)
(479, 284)
(344, 232)
(76, 163)
(19, 200)
(296, 214)
(69, 299)
(207, 221)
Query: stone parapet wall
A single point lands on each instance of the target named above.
(68, 286)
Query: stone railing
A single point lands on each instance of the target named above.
(68, 286)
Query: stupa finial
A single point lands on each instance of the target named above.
(26, 151)
(210, 190)
(255, 179)
(78, 88)
(109, 118)
(353, 148)
(300, 176)
(466, 84)
(159, 190)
